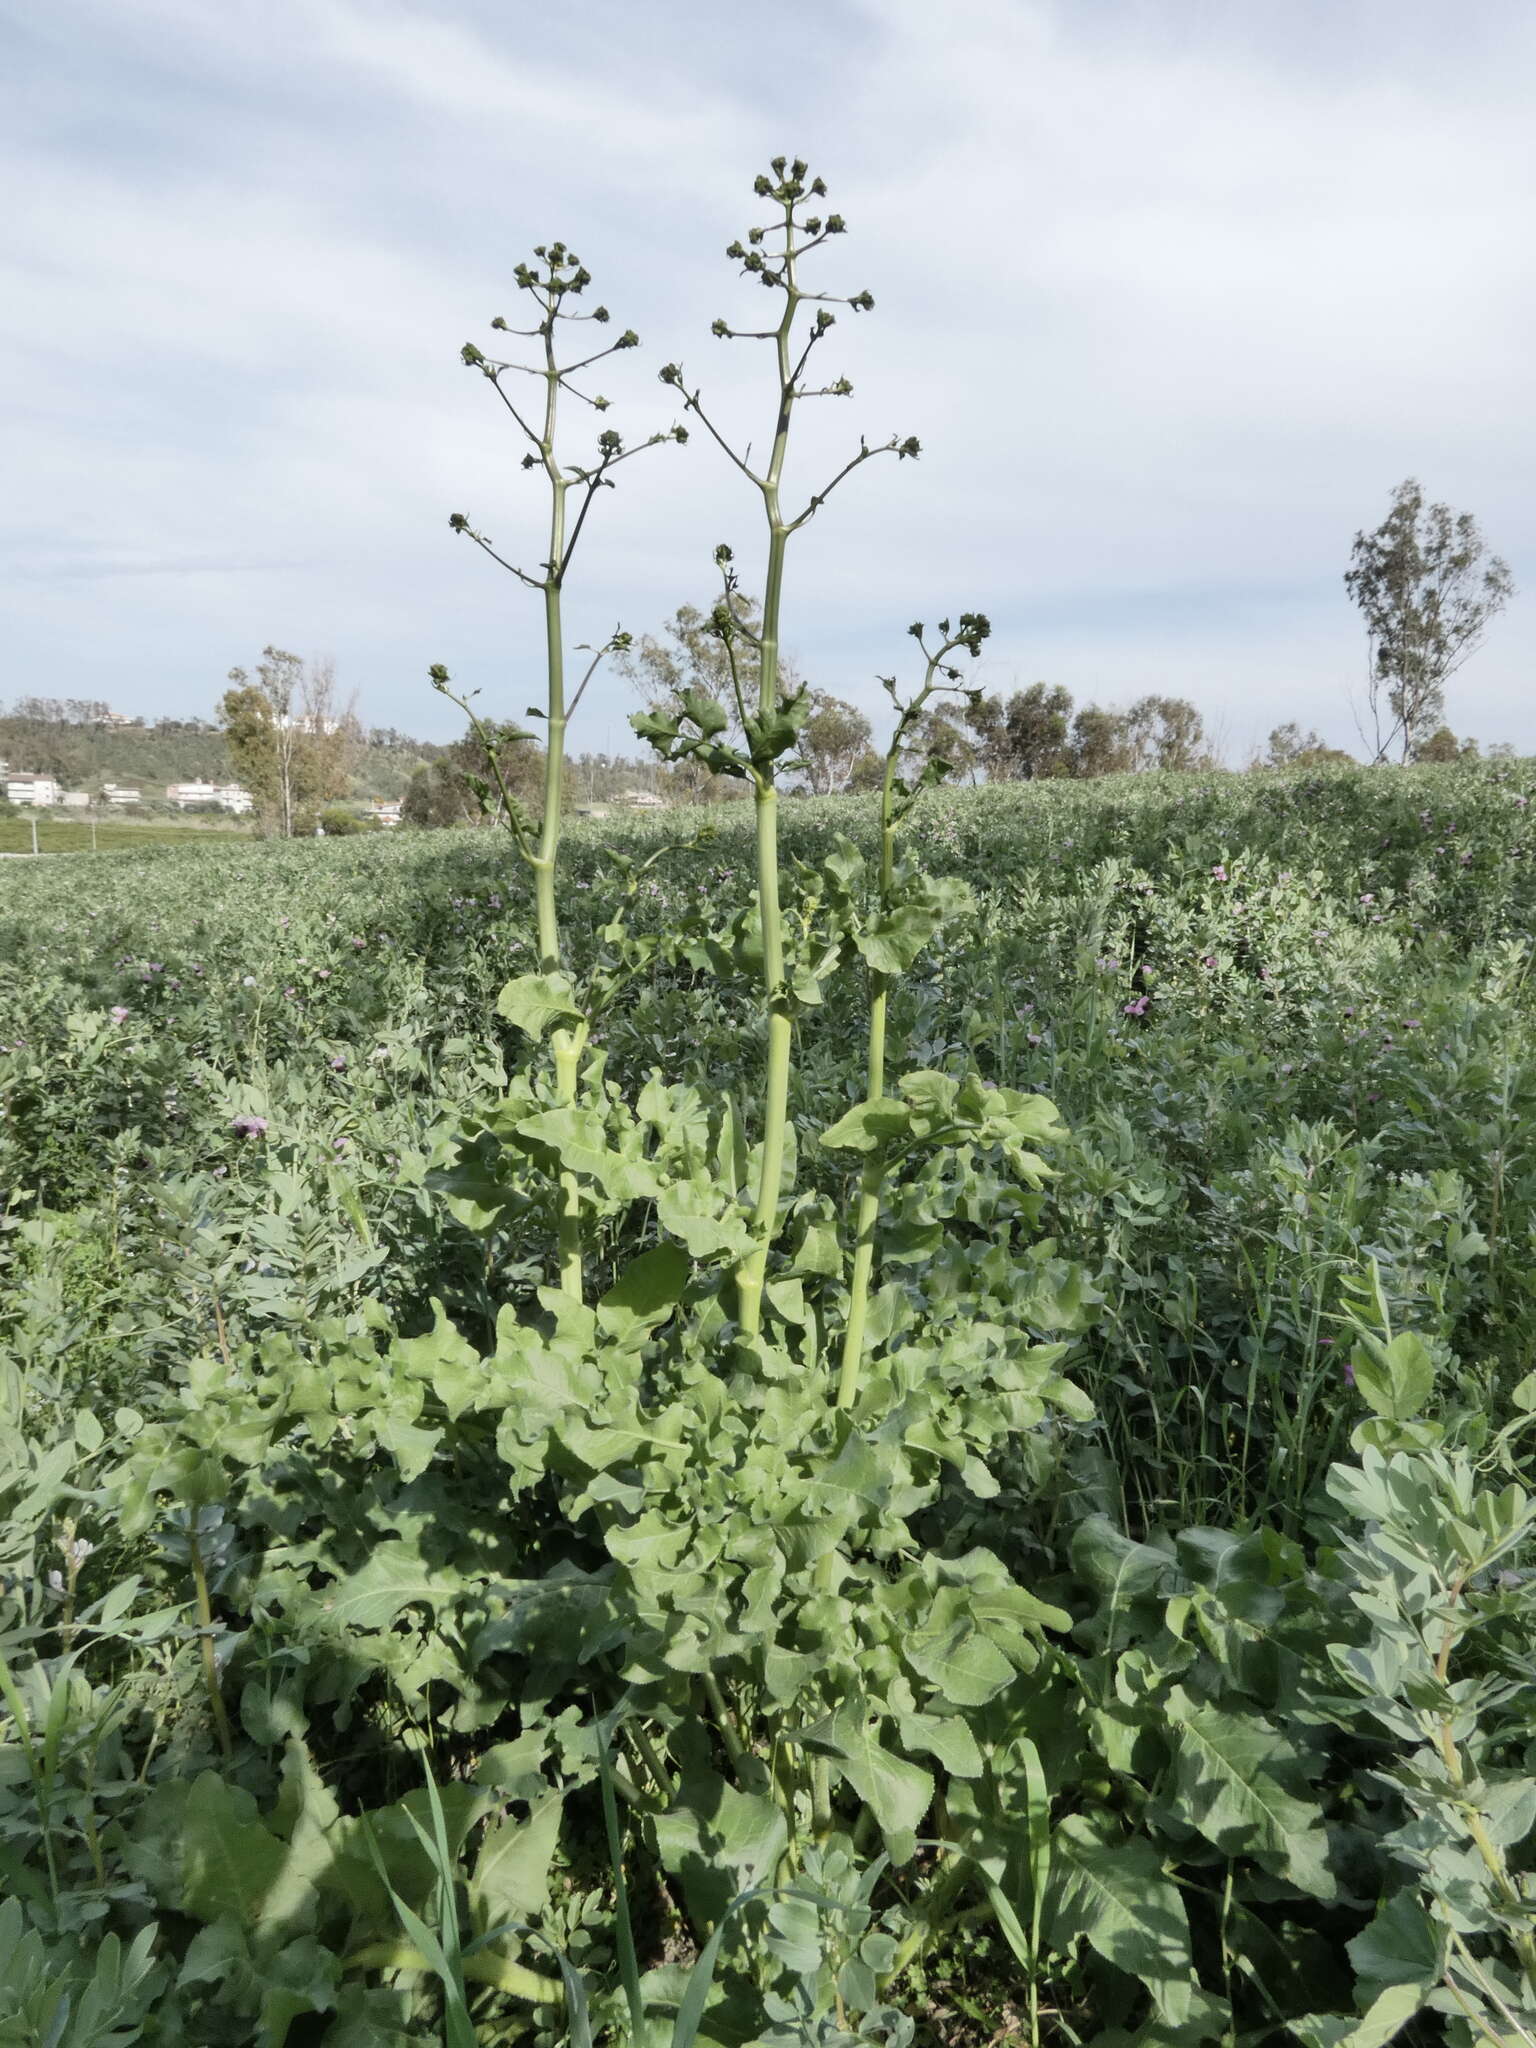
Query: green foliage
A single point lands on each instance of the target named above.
(919, 1409)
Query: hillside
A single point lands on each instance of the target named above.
(82, 753)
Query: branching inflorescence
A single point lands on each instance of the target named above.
(554, 282)
(773, 254)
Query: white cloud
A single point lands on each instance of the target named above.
(1172, 308)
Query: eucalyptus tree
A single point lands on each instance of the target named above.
(1428, 589)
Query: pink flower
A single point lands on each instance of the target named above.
(117, 1013)
(1138, 1008)
(250, 1126)
(1219, 872)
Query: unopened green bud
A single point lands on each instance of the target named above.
(680, 435)
(438, 676)
(609, 442)
(599, 404)
(669, 373)
(723, 555)
(762, 186)
(719, 328)
(600, 314)
(628, 339)
(836, 225)
(471, 355)
(458, 522)
(911, 446)
(499, 324)
(916, 629)
(862, 302)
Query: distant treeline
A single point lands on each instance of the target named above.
(73, 739)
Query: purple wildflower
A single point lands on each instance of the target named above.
(250, 1126)
(117, 1013)
(1218, 872)
(1138, 1008)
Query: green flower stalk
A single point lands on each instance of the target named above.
(554, 282)
(896, 800)
(773, 255)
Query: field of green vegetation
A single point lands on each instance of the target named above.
(1136, 1648)
(73, 835)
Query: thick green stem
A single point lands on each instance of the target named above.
(750, 1279)
(554, 758)
(872, 1179)
(205, 1631)
(565, 1046)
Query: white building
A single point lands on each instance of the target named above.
(228, 796)
(42, 791)
(385, 810)
(642, 800)
(115, 793)
(76, 799)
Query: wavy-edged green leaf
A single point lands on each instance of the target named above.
(535, 1003)
(1241, 1784)
(1111, 1890)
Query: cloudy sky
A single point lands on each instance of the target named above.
(1172, 291)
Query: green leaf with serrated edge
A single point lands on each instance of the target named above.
(395, 1577)
(945, 1736)
(535, 1003)
(1387, 2015)
(869, 1125)
(1239, 1783)
(709, 1224)
(510, 1880)
(719, 1842)
(1404, 1944)
(229, 1861)
(964, 1667)
(896, 1791)
(1111, 1890)
(577, 1140)
(646, 1292)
